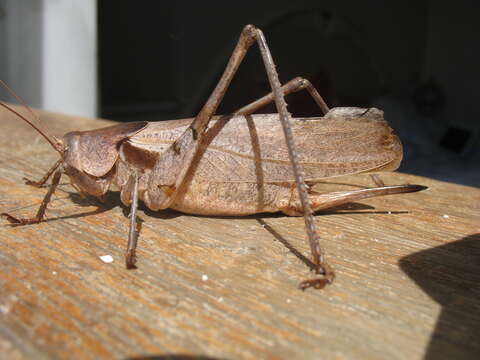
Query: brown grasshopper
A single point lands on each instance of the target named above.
(236, 164)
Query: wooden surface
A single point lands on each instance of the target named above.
(408, 266)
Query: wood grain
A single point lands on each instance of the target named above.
(407, 288)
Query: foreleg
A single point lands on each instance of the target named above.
(43, 206)
(45, 178)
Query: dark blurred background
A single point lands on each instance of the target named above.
(418, 61)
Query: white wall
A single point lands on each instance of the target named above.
(48, 53)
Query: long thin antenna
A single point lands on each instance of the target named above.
(19, 99)
(51, 139)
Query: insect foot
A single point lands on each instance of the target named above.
(37, 184)
(328, 275)
(16, 221)
(131, 259)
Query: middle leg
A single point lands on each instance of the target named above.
(130, 256)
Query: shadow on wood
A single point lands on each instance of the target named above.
(450, 274)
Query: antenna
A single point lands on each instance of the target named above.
(56, 144)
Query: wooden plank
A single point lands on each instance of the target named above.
(408, 273)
